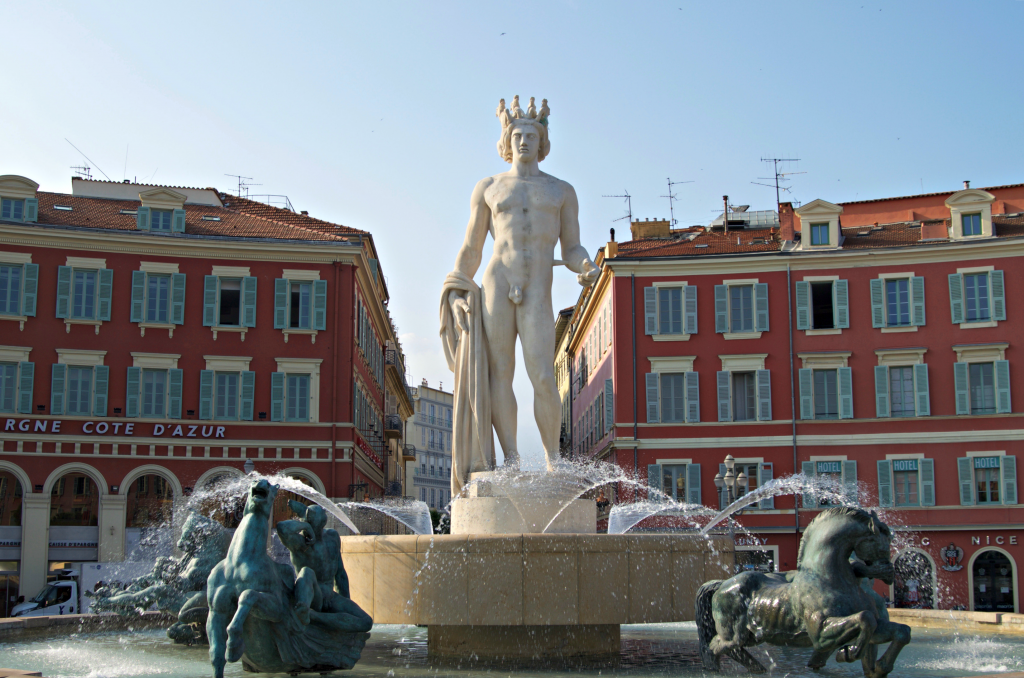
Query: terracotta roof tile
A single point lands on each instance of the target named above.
(281, 215)
(702, 243)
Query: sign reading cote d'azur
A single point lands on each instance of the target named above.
(116, 428)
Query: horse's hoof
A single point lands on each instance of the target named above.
(235, 650)
(846, 654)
(302, 612)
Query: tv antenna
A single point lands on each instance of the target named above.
(243, 184)
(87, 159)
(778, 177)
(672, 198)
(82, 171)
(629, 205)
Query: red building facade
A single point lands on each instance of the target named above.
(874, 342)
(156, 338)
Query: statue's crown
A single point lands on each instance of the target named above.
(515, 112)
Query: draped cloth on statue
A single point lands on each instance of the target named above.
(466, 352)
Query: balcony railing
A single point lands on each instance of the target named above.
(394, 358)
(424, 418)
(393, 422)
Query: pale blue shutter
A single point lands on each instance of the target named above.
(845, 378)
(654, 481)
(131, 404)
(691, 387)
(248, 301)
(206, 378)
(850, 481)
(142, 219)
(922, 399)
(281, 305)
(693, 484)
(806, 377)
(319, 304)
(841, 297)
(58, 376)
(355, 409)
(766, 473)
(884, 483)
(807, 499)
(102, 386)
(882, 391)
(63, 291)
(690, 309)
(138, 312)
(106, 289)
(803, 305)
(609, 409)
(764, 394)
(721, 309)
(178, 298)
(650, 310)
(31, 209)
(26, 382)
(174, 393)
(927, 476)
(723, 492)
(30, 290)
(724, 393)
(651, 379)
(1001, 368)
(956, 297)
(247, 393)
(178, 221)
(877, 303)
(210, 284)
(917, 301)
(998, 295)
(277, 396)
(965, 472)
(761, 307)
(1008, 466)
(962, 386)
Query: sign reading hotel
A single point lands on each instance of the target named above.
(117, 428)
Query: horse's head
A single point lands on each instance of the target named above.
(261, 498)
(196, 530)
(875, 545)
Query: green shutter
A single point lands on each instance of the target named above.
(651, 379)
(803, 305)
(281, 304)
(807, 499)
(764, 394)
(131, 404)
(373, 268)
(102, 385)
(841, 298)
(106, 289)
(210, 285)
(927, 476)
(956, 297)
(917, 301)
(1001, 368)
(691, 390)
(882, 391)
(965, 471)
(277, 396)
(63, 291)
(845, 378)
(962, 386)
(178, 221)
(58, 376)
(174, 393)
(355, 405)
(721, 309)
(1008, 466)
(142, 219)
(206, 394)
(877, 303)
(689, 310)
(761, 307)
(922, 399)
(765, 474)
(998, 288)
(248, 301)
(178, 298)
(693, 484)
(138, 313)
(319, 304)
(30, 290)
(650, 310)
(884, 483)
(654, 480)
(31, 209)
(609, 409)
(248, 394)
(724, 392)
(806, 393)
(26, 381)
(850, 482)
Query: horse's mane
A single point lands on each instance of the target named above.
(858, 514)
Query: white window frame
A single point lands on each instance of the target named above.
(86, 264)
(885, 277)
(974, 270)
(18, 259)
(970, 201)
(741, 282)
(820, 212)
(658, 285)
(810, 301)
(157, 268)
(308, 366)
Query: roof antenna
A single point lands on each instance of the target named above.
(778, 176)
(87, 158)
(243, 184)
(671, 199)
(629, 206)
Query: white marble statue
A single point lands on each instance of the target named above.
(527, 212)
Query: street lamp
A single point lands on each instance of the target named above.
(731, 482)
(249, 466)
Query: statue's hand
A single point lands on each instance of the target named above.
(589, 274)
(460, 309)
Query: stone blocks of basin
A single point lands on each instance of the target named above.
(487, 508)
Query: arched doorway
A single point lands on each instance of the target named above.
(992, 574)
(282, 511)
(10, 535)
(74, 519)
(149, 510)
(914, 587)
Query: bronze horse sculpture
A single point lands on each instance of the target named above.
(824, 604)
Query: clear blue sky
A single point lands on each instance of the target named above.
(381, 115)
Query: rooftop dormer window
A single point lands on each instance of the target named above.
(18, 198)
(162, 211)
(820, 228)
(12, 209)
(970, 214)
(160, 221)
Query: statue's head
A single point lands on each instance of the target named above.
(196, 530)
(314, 515)
(524, 138)
(875, 545)
(296, 535)
(261, 497)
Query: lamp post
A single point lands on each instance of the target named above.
(731, 483)
(249, 466)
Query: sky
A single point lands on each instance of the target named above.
(380, 115)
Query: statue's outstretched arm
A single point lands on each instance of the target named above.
(573, 253)
(468, 259)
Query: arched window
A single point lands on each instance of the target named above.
(993, 582)
(913, 585)
(150, 501)
(10, 500)
(74, 501)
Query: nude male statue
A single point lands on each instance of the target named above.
(527, 212)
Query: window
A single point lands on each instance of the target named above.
(154, 393)
(229, 301)
(8, 386)
(983, 389)
(79, 381)
(226, 395)
(826, 394)
(679, 481)
(741, 308)
(670, 310)
(300, 302)
(824, 304)
(10, 289)
(298, 397)
(843, 475)
(423, 494)
(901, 391)
(432, 497)
(905, 482)
(161, 221)
(986, 480)
(83, 295)
(897, 301)
(819, 234)
(976, 297)
(674, 481)
(744, 397)
(229, 304)
(157, 298)
(673, 407)
(971, 224)
(83, 292)
(12, 209)
(822, 315)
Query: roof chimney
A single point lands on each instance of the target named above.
(786, 229)
(613, 234)
(967, 184)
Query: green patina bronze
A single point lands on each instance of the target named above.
(826, 604)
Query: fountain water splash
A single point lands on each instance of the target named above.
(414, 514)
(625, 517)
(825, 491)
